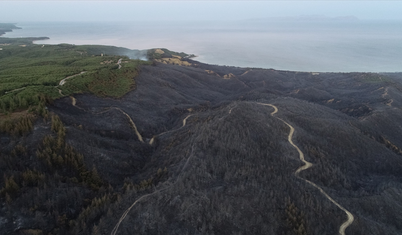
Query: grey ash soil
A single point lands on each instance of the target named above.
(230, 169)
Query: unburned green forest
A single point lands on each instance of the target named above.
(28, 71)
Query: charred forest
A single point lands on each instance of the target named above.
(192, 149)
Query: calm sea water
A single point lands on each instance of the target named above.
(323, 46)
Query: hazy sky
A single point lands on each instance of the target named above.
(25, 11)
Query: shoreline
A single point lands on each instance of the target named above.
(7, 27)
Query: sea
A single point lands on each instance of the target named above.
(319, 45)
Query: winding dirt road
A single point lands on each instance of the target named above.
(184, 123)
(132, 124)
(123, 216)
(307, 165)
(185, 120)
(116, 227)
(61, 83)
(342, 228)
(74, 102)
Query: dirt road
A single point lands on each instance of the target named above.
(342, 228)
(61, 83)
(184, 123)
(124, 215)
(132, 124)
(307, 165)
(14, 90)
(116, 227)
(119, 63)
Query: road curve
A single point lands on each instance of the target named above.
(123, 216)
(119, 109)
(61, 83)
(185, 120)
(307, 165)
(184, 123)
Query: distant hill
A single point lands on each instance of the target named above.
(7, 27)
(308, 18)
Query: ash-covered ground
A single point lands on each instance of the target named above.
(229, 168)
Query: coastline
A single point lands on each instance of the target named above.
(260, 50)
(7, 27)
